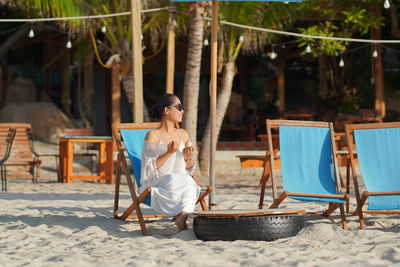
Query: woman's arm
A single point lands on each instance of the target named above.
(189, 151)
(172, 148)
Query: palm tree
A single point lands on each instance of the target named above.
(232, 39)
(193, 65)
(117, 36)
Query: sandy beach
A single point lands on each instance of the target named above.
(71, 224)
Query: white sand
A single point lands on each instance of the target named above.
(71, 224)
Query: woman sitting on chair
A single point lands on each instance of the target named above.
(168, 164)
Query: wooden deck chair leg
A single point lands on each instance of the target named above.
(263, 185)
(359, 212)
(3, 177)
(117, 186)
(202, 196)
(263, 182)
(279, 200)
(361, 204)
(343, 216)
(134, 206)
(332, 207)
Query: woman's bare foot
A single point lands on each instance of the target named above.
(180, 221)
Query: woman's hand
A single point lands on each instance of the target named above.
(188, 152)
(172, 147)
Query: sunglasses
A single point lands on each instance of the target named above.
(179, 107)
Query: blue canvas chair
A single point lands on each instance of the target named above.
(309, 168)
(377, 146)
(129, 138)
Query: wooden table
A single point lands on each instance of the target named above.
(105, 159)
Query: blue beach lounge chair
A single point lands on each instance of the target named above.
(309, 168)
(377, 146)
(129, 138)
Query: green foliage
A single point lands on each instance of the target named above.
(338, 18)
(258, 14)
(343, 101)
(328, 47)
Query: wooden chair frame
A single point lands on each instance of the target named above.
(23, 153)
(8, 145)
(122, 163)
(361, 199)
(277, 200)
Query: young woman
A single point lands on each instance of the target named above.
(168, 164)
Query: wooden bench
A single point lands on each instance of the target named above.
(23, 161)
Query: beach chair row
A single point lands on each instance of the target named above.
(309, 169)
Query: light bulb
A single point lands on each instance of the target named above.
(386, 4)
(31, 33)
(206, 42)
(104, 29)
(308, 49)
(69, 44)
(241, 38)
(273, 55)
(341, 63)
(375, 53)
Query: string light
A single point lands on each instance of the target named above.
(375, 53)
(69, 44)
(341, 62)
(103, 29)
(206, 42)
(386, 4)
(241, 39)
(31, 33)
(273, 55)
(308, 49)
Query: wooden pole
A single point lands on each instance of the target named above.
(380, 106)
(281, 86)
(115, 94)
(323, 80)
(171, 50)
(213, 98)
(137, 61)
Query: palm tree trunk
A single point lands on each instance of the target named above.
(222, 104)
(192, 74)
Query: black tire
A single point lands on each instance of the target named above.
(264, 228)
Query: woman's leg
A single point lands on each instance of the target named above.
(180, 221)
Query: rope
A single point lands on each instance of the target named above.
(83, 17)
(309, 36)
(96, 51)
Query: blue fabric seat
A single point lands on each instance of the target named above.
(378, 157)
(134, 140)
(306, 162)
(308, 168)
(377, 146)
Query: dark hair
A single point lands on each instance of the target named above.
(163, 101)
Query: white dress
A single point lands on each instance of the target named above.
(173, 189)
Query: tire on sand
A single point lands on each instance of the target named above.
(264, 228)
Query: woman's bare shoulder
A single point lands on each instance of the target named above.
(151, 136)
(184, 134)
